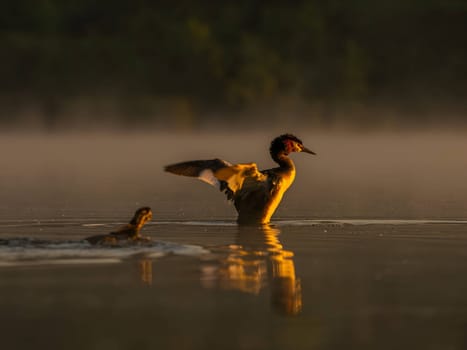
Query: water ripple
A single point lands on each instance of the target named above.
(28, 251)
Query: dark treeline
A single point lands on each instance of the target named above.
(143, 58)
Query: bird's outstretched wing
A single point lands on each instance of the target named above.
(227, 177)
(201, 169)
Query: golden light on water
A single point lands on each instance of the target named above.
(258, 262)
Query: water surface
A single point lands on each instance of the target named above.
(367, 251)
(296, 285)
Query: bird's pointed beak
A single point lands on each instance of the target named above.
(306, 150)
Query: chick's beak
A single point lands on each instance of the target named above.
(306, 150)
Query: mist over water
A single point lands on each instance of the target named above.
(402, 175)
(366, 248)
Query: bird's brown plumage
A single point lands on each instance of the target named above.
(129, 232)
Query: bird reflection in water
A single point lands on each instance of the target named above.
(145, 271)
(254, 262)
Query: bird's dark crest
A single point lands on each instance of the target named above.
(278, 144)
(143, 210)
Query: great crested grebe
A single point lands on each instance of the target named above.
(129, 232)
(256, 194)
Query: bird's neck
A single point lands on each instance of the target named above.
(136, 224)
(284, 161)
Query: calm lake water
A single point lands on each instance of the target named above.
(368, 249)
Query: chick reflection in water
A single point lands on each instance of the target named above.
(256, 261)
(145, 271)
(130, 233)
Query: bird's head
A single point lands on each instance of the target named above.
(287, 143)
(142, 215)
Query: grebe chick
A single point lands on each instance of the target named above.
(130, 232)
(256, 194)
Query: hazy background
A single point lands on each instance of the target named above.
(190, 65)
(96, 97)
(377, 175)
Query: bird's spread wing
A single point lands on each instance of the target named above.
(236, 175)
(227, 177)
(202, 169)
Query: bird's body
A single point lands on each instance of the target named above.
(128, 233)
(256, 194)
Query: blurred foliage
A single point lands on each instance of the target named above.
(230, 55)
